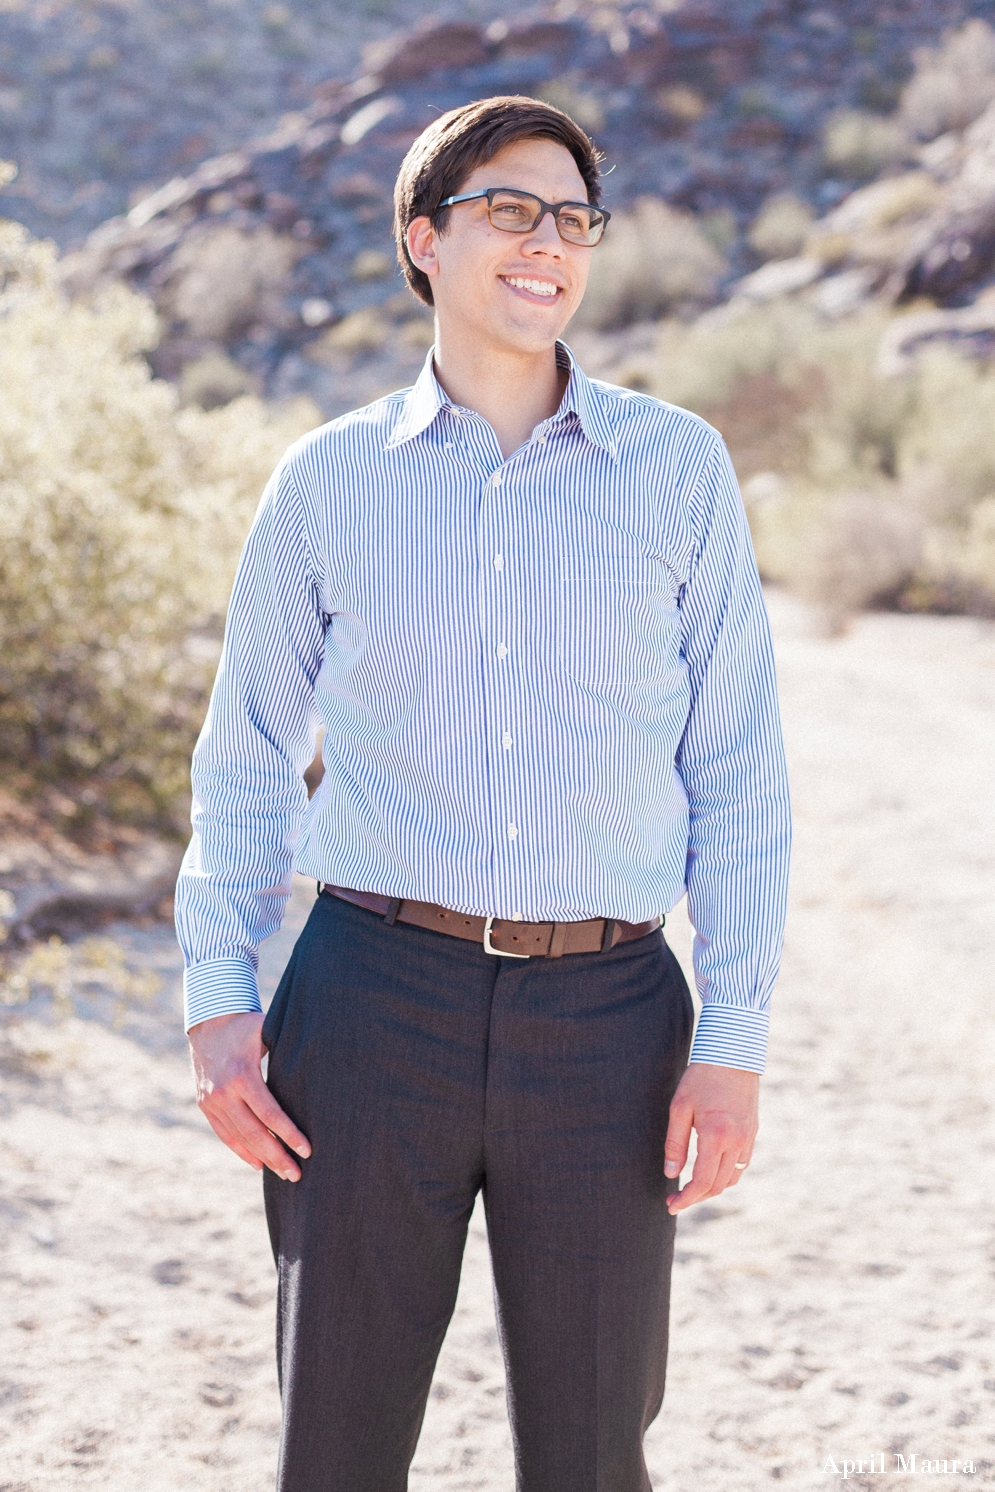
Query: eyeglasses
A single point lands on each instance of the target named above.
(520, 212)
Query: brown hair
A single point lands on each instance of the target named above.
(444, 154)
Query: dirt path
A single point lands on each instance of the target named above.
(839, 1303)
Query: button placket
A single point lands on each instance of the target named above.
(502, 632)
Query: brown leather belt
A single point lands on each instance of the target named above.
(498, 935)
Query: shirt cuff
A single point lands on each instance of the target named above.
(731, 1036)
(222, 986)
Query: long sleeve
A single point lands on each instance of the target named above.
(731, 761)
(249, 794)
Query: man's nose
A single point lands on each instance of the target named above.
(545, 234)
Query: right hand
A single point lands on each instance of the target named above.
(227, 1054)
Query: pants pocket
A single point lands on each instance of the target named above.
(277, 1013)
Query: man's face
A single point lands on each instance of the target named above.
(514, 290)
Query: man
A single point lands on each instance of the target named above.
(525, 607)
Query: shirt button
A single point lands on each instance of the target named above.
(499, 562)
(448, 445)
(506, 741)
(512, 831)
(502, 650)
(541, 440)
(516, 917)
(497, 479)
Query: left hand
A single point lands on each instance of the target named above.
(722, 1104)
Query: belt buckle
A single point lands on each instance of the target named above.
(489, 946)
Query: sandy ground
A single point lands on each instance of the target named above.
(838, 1303)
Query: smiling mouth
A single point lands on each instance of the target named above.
(544, 288)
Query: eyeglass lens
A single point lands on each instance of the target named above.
(518, 212)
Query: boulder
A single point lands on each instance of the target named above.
(954, 246)
(780, 277)
(875, 225)
(970, 329)
(435, 49)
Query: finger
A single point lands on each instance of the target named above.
(724, 1174)
(740, 1167)
(234, 1144)
(225, 1108)
(675, 1150)
(262, 1103)
(258, 1139)
(226, 1136)
(706, 1167)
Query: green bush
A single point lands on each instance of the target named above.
(121, 518)
(862, 489)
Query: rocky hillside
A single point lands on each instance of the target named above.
(100, 103)
(729, 129)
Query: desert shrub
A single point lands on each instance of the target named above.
(224, 280)
(684, 104)
(781, 227)
(214, 379)
(121, 518)
(861, 550)
(365, 330)
(952, 84)
(573, 98)
(653, 259)
(862, 489)
(373, 264)
(856, 144)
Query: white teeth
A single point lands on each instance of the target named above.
(538, 287)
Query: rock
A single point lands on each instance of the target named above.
(970, 329)
(955, 246)
(780, 277)
(436, 49)
(875, 225)
(840, 295)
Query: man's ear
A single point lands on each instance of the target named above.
(421, 241)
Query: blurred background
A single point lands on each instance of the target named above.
(196, 266)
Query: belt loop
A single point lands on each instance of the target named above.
(393, 907)
(558, 939)
(606, 941)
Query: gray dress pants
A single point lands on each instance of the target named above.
(423, 1070)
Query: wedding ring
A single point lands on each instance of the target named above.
(740, 1165)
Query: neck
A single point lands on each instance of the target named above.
(514, 391)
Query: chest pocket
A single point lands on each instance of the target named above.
(616, 634)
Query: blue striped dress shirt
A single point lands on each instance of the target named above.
(546, 687)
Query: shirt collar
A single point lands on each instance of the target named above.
(426, 397)
(586, 403)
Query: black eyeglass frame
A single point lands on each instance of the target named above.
(554, 207)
